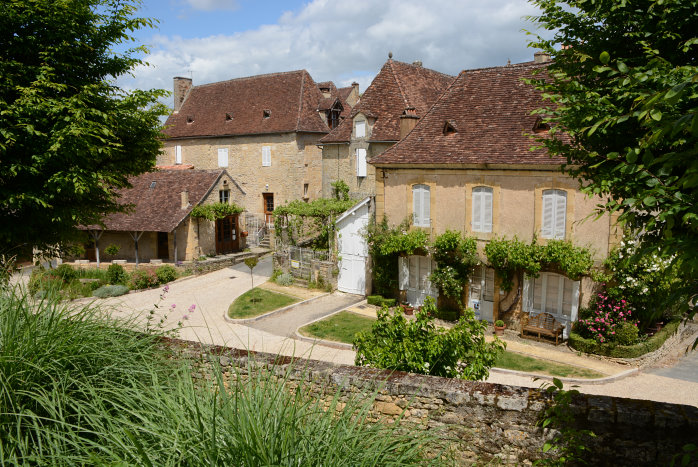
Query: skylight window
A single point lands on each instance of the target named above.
(228, 116)
(449, 128)
(152, 184)
(540, 126)
(266, 113)
(190, 119)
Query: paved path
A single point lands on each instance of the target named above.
(286, 323)
(685, 369)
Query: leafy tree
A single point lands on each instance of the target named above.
(623, 103)
(69, 137)
(251, 263)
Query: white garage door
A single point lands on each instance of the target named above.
(353, 251)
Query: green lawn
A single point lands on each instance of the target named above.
(340, 327)
(514, 361)
(258, 301)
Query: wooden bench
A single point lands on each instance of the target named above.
(542, 324)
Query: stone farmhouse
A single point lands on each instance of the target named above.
(468, 166)
(390, 107)
(158, 224)
(262, 129)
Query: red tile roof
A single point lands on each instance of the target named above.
(159, 209)
(490, 109)
(397, 86)
(236, 107)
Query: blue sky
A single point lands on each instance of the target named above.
(342, 41)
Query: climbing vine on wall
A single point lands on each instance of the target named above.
(215, 211)
(298, 220)
(455, 257)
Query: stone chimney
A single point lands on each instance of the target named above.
(541, 57)
(181, 89)
(185, 199)
(408, 120)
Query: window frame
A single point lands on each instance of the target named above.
(266, 156)
(178, 154)
(483, 223)
(554, 225)
(360, 124)
(223, 157)
(421, 207)
(360, 154)
(224, 196)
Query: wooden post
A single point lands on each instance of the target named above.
(136, 236)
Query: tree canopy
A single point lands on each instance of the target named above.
(622, 91)
(69, 137)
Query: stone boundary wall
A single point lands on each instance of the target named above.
(482, 422)
(215, 264)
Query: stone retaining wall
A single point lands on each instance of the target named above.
(483, 422)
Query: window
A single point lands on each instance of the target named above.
(266, 156)
(554, 214)
(421, 205)
(178, 154)
(223, 157)
(266, 113)
(482, 209)
(333, 118)
(224, 196)
(360, 162)
(414, 278)
(306, 186)
(360, 130)
(229, 116)
(554, 294)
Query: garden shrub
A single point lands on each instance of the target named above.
(455, 257)
(166, 273)
(389, 302)
(375, 300)
(143, 279)
(606, 315)
(418, 346)
(627, 334)
(65, 272)
(110, 291)
(116, 274)
(275, 275)
(612, 349)
(285, 279)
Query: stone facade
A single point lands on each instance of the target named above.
(477, 422)
(295, 162)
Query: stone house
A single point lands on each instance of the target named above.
(397, 97)
(468, 165)
(158, 224)
(262, 129)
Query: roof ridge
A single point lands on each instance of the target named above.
(242, 78)
(397, 80)
(431, 70)
(300, 102)
(530, 64)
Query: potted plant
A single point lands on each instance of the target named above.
(244, 233)
(499, 327)
(407, 309)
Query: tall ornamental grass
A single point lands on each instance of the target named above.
(79, 388)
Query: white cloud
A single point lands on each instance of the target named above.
(349, 41)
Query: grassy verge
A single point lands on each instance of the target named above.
(258, 301)
(77, 388)
(514, 361)
(340, 327)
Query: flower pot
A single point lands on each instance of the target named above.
(408, 310)
(243, 233)
(499, 330)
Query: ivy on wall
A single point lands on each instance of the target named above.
(298, 220)
(215, 211)
(455, 257)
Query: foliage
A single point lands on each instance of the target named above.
(69, 137)
(622, 96)
(112, 250)
(257, 302)
(684, 457)
(378, 300)
(214, 211)
(455, 256)
(606, 316)
(616, 350)
(110, 291)
(627, 334)
(418, 346)
(569, 444)
(79, 388)
(499, 323)
(65, 272)
(512, 256)
(166, 273)
(251, 262)
(298, 220)
(340, 190)
(285, 279)
(143, 279)
(116, 274)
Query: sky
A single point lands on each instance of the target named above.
(341, 41)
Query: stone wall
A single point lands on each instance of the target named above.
(481, 422)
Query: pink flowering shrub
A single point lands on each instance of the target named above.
(143, 279)
(607, 316)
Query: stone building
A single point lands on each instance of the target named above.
(158, 224)
(398, 96)
(468, 165)
(262, 129)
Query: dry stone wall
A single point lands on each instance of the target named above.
(480, 422)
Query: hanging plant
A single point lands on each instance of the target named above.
(214, 211)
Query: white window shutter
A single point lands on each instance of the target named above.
(403, 272)
(266, 156)
(361, 129)
(223, 157)
(361, 162)
(575, 301)
(477, 211)
(487, 210)
(527, 295)
(417, 204)
(546, 230)
(560, 214)
(178, 154)
(413, 272)
(426, 206)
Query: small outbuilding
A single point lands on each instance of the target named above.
(352, 248)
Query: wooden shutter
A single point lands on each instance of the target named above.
(266, 156)
(560, 214)
(477, 210)
(486, 210)
(417, 204)
(547, 225)
(403, 272)
(223, 157)
(413, 272)
(426, 206)
(178, 154)
(361, 129)
(360, 162)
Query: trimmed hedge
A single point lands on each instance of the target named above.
(378, 300)
(578, 342)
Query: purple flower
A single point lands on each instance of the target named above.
(192, 308)
(174, 306)
(166, 289)
(185, 317)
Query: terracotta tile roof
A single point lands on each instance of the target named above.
(490, 110)
(327, 103)
(159, 209)
(236, 107)
(397, 86)
(175, 167)
(344, 92)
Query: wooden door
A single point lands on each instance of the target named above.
(269, 209)
(227, 238)
(163, 246)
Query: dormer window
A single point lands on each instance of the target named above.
(190, 119)
(152, 184)
(333, 118)
(228, 116)
(540, 126)
(266, 113)
(449, 128)
(360, 129)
